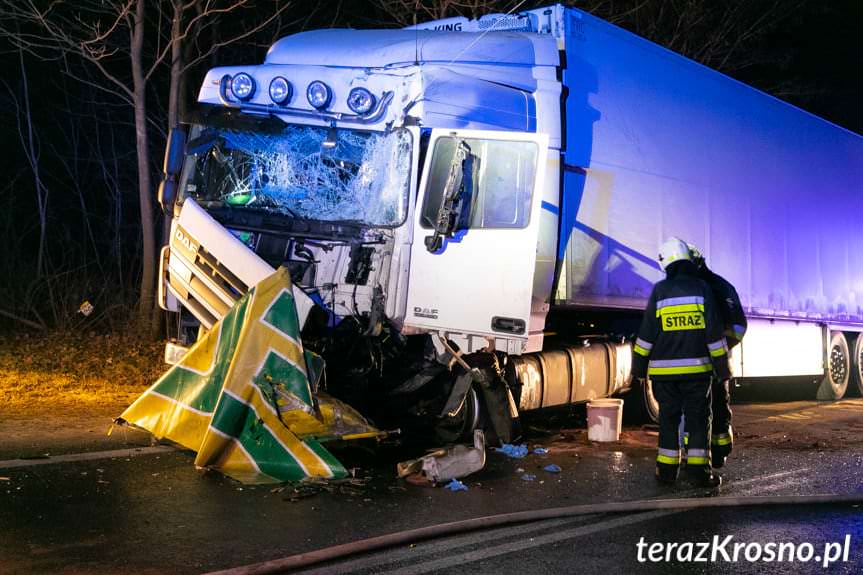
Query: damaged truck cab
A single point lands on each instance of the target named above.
(465, 197)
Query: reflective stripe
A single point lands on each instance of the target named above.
(718, 344)
(735, 331)
(718, 348)
(722, 439)
(644, 344)
(683, 308)
(681, 362)
(696, 299)
(641, 351)
(697, 457)
(668, 456)
(679, 366)
(679, 370)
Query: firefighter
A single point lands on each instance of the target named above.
(734, 323)
(679, 346)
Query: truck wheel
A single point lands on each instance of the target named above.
(460, 427)
(651, 406)
(835, 380)
(857, 363)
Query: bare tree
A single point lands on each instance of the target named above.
(113, 38)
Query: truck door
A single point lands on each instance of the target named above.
(475, 233)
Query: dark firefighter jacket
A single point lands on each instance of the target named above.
(733, 319)
(681, 332)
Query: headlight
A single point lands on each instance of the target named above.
(280, 90)
(361, 100)
(319, 94)
(243, 86)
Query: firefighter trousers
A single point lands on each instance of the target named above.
(722, 437)
(677, 398)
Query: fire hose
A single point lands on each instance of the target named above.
(410, 536)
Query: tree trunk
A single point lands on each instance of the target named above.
(145, 202)
(33, 156)
(174, 90)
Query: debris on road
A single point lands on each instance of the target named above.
(552, 468)
(311, 486)
(456, 485)
(528, 477)
(540, 451)
(452, 463)
(514, 451)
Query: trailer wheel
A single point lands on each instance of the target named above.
(857, 363)
(835, 381)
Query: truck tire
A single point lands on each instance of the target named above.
(838, 371)
(857, 364)
(460, 427)
(640, 404)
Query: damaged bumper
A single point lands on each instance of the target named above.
(245, 397)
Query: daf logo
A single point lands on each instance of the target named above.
(185, 240)
(425, 312)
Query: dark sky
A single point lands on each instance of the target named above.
(824, 46)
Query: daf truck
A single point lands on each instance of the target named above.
(487, 197)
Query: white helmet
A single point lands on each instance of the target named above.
(695, 254)
(673, 250)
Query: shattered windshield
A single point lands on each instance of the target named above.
(302, 172)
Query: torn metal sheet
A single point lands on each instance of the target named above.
(244, 396)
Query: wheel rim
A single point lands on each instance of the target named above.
(650, 402)
(859, 363)
(838, 365)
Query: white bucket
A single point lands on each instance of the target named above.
(604, 419)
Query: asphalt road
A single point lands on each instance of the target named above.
(147, 510)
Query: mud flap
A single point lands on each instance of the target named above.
(500, 411)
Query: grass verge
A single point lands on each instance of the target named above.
(63, 370)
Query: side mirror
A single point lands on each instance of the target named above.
(167, 194)
(174, 155)
(175, 152)
(457, 189)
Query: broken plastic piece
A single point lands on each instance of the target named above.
(459, 461)
(456, 485)
(528, 477)
(540, 451)
(552, 468)
(514, 451)
(452, 463)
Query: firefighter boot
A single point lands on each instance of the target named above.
(666, 473)
(703, 476)
(720, 448)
